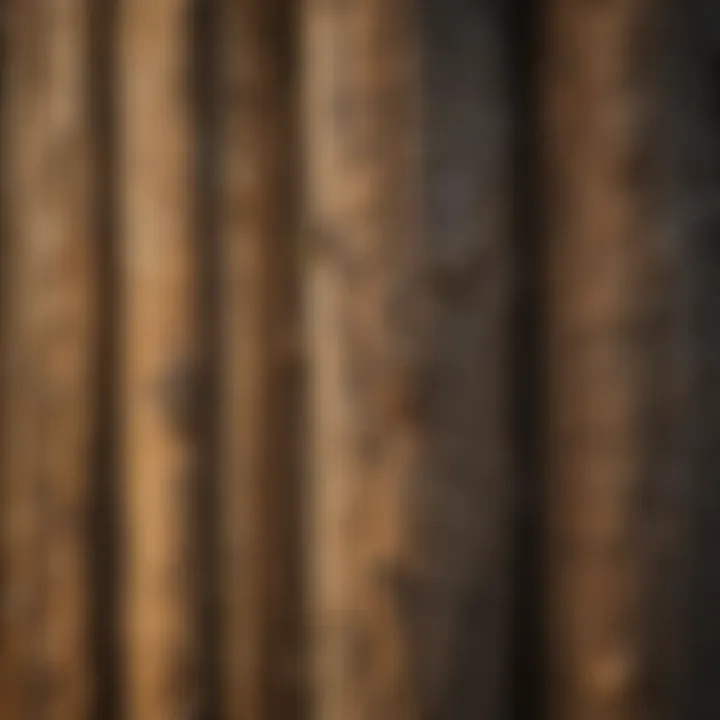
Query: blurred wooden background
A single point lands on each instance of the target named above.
(359, 360)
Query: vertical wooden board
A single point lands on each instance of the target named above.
(369, 323)
(328, 461)
(243, 357)
(21, 611)
(605, 289)
(50, 300)
(258, 265)
(160, 363)
(694, 142)
(67, 356)
(69, 351)
(465, 503)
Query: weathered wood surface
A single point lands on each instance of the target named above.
(52, 353)
(259, 363)
(696, 112)
(466, 498)
(161, 362)
(302, 367)
(611, 380)
(407, 152)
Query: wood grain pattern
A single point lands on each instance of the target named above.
(407, 157)
(161, 363)
(606, 285)
(363, 174)
(51, 254)
(259, 358)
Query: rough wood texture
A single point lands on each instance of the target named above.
(610, 392)
(50, 299)
(405, 320)
(363, 249)
(466, 501)
(328, 466)
(696, 113)
(67, 360)
(160, 392)
(21, 141)
(259, 354)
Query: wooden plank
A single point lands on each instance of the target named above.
(258, 357)
(51, 413)
(361, 99)
(466, 498)
(67, 359)
(21, 139)
(609, 383)
(693, 142)
(329, 462)
(161, 359)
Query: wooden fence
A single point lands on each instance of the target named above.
(358, 360)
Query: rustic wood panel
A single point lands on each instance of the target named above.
(161, 360)
(52, 325)
(259, 357)
(611, 388)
